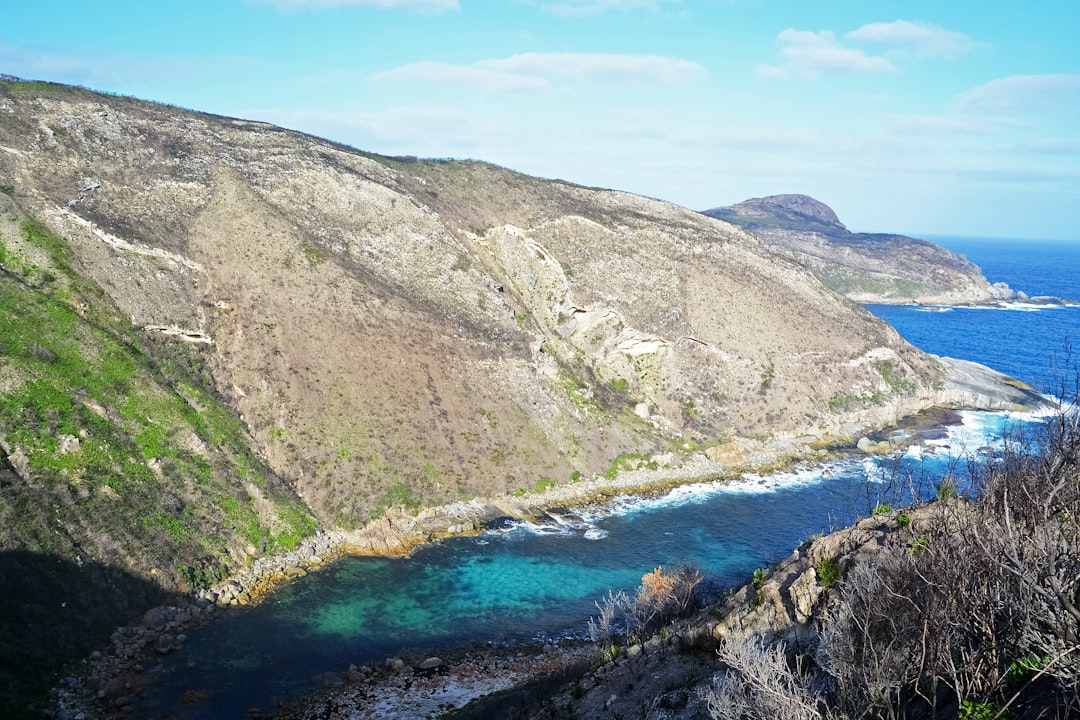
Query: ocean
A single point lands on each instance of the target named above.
(1030, 343)
(524, 582)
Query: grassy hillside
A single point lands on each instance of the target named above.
(119, 470)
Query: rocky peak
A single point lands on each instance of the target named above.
(792, 208)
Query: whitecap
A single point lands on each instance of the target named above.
(595, 533)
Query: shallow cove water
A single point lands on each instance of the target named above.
(524, 583)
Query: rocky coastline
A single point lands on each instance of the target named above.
(105, 683)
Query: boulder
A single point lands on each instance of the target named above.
(154, 619)
(430, 663)
(164, 643)
(804, 593)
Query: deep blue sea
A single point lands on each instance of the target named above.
(1027, 342)
(528, 582)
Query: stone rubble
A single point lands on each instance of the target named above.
(399, 689)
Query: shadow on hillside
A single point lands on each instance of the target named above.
(53, 611)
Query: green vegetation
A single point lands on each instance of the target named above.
(94, 411)
(828, 571)
(854, 282)
(462, 263)
(897, 385)
(580, 394)
(541, 486)
(919, 546)
(882, 509)
(123, 475)
(972, 710)
(946, 489)
(690, 410)
(903, 519)
(401, 496)
(842, 403)
(312, 254)
(767, 377)
(57, 249)
(630, 461)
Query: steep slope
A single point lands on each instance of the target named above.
(411, 332)
(122, 480)
(875, 268)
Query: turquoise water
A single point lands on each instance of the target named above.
(530, 582)
(523, 582)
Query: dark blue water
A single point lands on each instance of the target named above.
(534, 582)
(1028, 343)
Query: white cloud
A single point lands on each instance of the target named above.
(944, 125)
(427, 132)
(423, 6)
(537, 71)
(805, 54)
(1017, 92)
(921, 39)
(475, 77)
(1051, 147)
(595, 7)
(598, 66)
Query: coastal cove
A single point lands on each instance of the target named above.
(527, 583)
(522, 582)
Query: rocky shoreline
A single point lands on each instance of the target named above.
(105, 683)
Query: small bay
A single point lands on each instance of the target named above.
(522, 583)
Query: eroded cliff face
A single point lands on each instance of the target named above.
(866, 267)
(407, 332)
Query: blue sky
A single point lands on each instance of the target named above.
(919, 117)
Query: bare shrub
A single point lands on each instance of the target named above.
(759, 684)
(664, 594)
(971, 609)
(660, 596)
(985, 584)
(870, 644)
(613, 609)
(1027, 534)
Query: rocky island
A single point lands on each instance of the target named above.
(222, 341)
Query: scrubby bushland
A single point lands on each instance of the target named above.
(974, 614)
